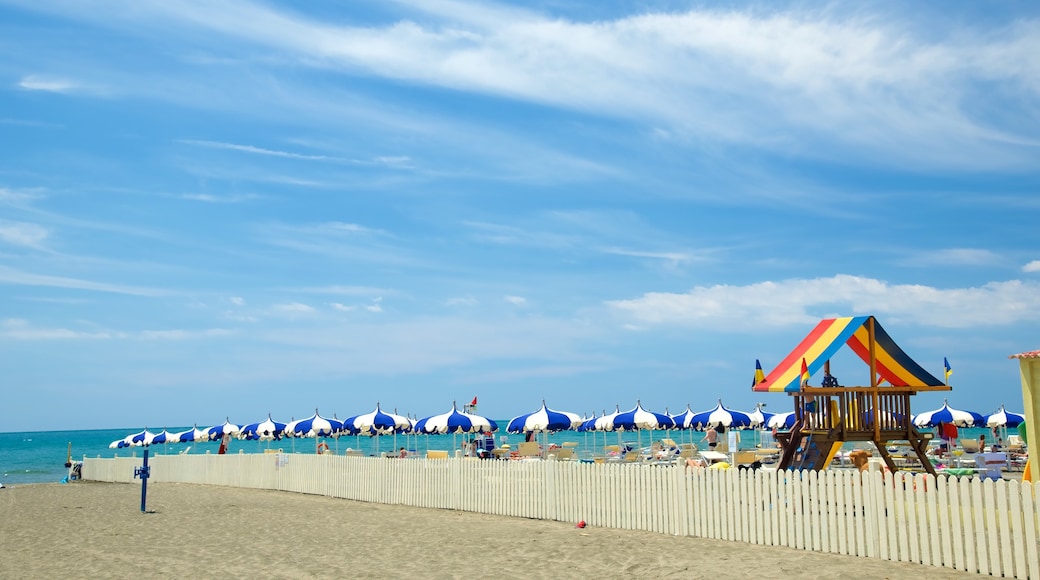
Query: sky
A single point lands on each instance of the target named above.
(231, 209)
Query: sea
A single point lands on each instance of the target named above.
(40, 456)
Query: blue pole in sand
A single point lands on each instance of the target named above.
(142, 472)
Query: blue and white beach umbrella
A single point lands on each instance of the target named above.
(161, 438)
(265, 430)
(121, 443)
(455, 421)
(759, 418)
(218, 431)
(720, 415)
(313, 426)
(1004, 418)
(191, 435)
(781, 420)
(141, 439)
(606, 422)
(639, 419)
(544, 419)
(947, 414)
(379, 422)
(684, 420)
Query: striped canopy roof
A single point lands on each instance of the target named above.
(893, 365)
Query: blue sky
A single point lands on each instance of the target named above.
(225, 209)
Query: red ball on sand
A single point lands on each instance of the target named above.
(581, 524)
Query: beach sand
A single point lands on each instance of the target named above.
(96, 530)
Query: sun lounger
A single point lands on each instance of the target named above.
(970, 445)
(530, 449)
(990, 465)
(436, 454)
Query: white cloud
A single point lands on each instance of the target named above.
(19, 329)
(956, 256)
(12, 276)
(515, 300)
(184, 334)
(49, 84)
(293, 308)
(792, 302)
(237, 300)
(462, 301)
(342, 307)
(1033, 266)
(888, 86)
(23, 234)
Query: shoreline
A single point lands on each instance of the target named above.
(91, 529)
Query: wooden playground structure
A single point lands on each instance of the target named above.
(830, 415)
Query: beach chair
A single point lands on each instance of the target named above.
(632, 457)
(563, 454)
(970, 445)
(989, 465)
(436, 454)
(744, 458)
(530, 449)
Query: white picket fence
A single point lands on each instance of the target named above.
(988, 527)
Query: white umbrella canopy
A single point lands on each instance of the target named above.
(379, 422)
(759, 418)
(191, 435)
(544, 419)
(1004, 418)
(456, 422)
(781, 420)
(313, 426)
(218, 431)
(266, 430)
(947, 414)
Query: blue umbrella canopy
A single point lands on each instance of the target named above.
(265, 430)
(161, 438)
(759, 418)
(684, 420)
(140, 439)
(947, 414)
(720, 415)
(379, 422)
(218, 431)
(1004, 418)
(544, 419)
(455, 421)
(781, 420)
(313, 426)
(191, 435)
(639, 419)
(606, 422)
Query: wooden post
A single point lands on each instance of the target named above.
(874, 381)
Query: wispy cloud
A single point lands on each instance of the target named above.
(804, 301)
(889, 86)
(1033, 266)
(10, 275)
(23, 234)
(955, 257)
(258, 150)
(515, 300)
(48, 84)
(220, 199)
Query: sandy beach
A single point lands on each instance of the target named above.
(96, 530)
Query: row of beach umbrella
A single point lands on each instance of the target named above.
(379, 422)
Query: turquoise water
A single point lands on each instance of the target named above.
(40, 456)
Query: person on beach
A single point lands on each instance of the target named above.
(982, 443)
(403, 454)
(712, 437)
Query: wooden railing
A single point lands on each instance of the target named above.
(986, 527)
